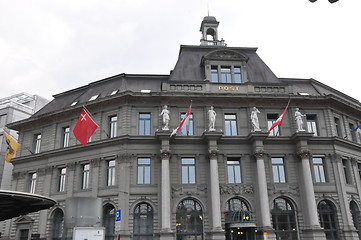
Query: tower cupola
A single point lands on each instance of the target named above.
(209, 29)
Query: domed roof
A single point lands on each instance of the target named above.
(209, 19)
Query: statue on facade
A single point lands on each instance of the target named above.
(299, 120)
(254, 120)
(212, 119)
(165, 118)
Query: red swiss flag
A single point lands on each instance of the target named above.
(84, 127)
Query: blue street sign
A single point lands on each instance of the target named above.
(118, 215)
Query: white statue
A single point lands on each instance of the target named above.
(212, 119)
(299, 120)
(166, 117)
(254, 120)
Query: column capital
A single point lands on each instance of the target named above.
(304, 154)
(259, 154)
(213, 153)
(165, 154)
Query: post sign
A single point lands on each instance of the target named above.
(118, 215)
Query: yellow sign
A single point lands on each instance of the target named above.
(228, 88)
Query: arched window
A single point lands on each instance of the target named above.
(143, 222)
(109, 221)
(58, 224)
(236, 211)
(284, 219)
(356, 217)
(189, 220)
(327, 215)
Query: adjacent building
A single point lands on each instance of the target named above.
(227, 179)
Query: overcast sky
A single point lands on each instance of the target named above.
(51, 46)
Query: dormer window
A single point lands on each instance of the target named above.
(94, 97)
(226, 74)
(114, 92)
(225, 66)
(73, 103)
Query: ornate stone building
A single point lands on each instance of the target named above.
(231, 181)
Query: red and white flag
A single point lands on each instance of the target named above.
(84, 127)
(279, 120)
(185, 120)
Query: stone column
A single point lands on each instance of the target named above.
(215, 195)
(312, 229)
(123, 166)
(216, 228)
(264, 212)
(348, 228)
(166, 232)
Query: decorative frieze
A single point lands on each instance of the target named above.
(179, 190)
(242, 189)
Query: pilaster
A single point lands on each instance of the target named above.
(264, 222)
(166, 232)
(211, 138)
(312, 229)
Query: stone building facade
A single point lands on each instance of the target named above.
(230, 182)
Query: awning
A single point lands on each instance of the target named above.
(14, 204)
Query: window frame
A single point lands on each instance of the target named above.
(311, 122)
(85, 176)
(188, 171)
(187, 129)
(37, 143)
(112, 125)
(62, 179)
(271, 119)
(144, 171)
(230, 124)
(111, 170)
(65, 136)
(33, 180)
(144, 124)
(280, 177)
(232, 170)
(236, 74)
(319, 170)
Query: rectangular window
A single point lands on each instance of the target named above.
(111, 173)
(353, 133)
(230, 123)
(312, 124)
(66, 135)
(187, 129)
(144, 124)
(33, 182)
(143, 170)
(188, 171)
(113, 126)
(319, 169)
(37, 142)
(271, 119)
(226, 74)
(234, 170)
(359, 169)
(237, 75)
(278, 170)
(338, 127)
(214, 73)
(62, 178)
(85, 176)
(346, 171)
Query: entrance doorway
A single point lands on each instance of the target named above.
(240, 233)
